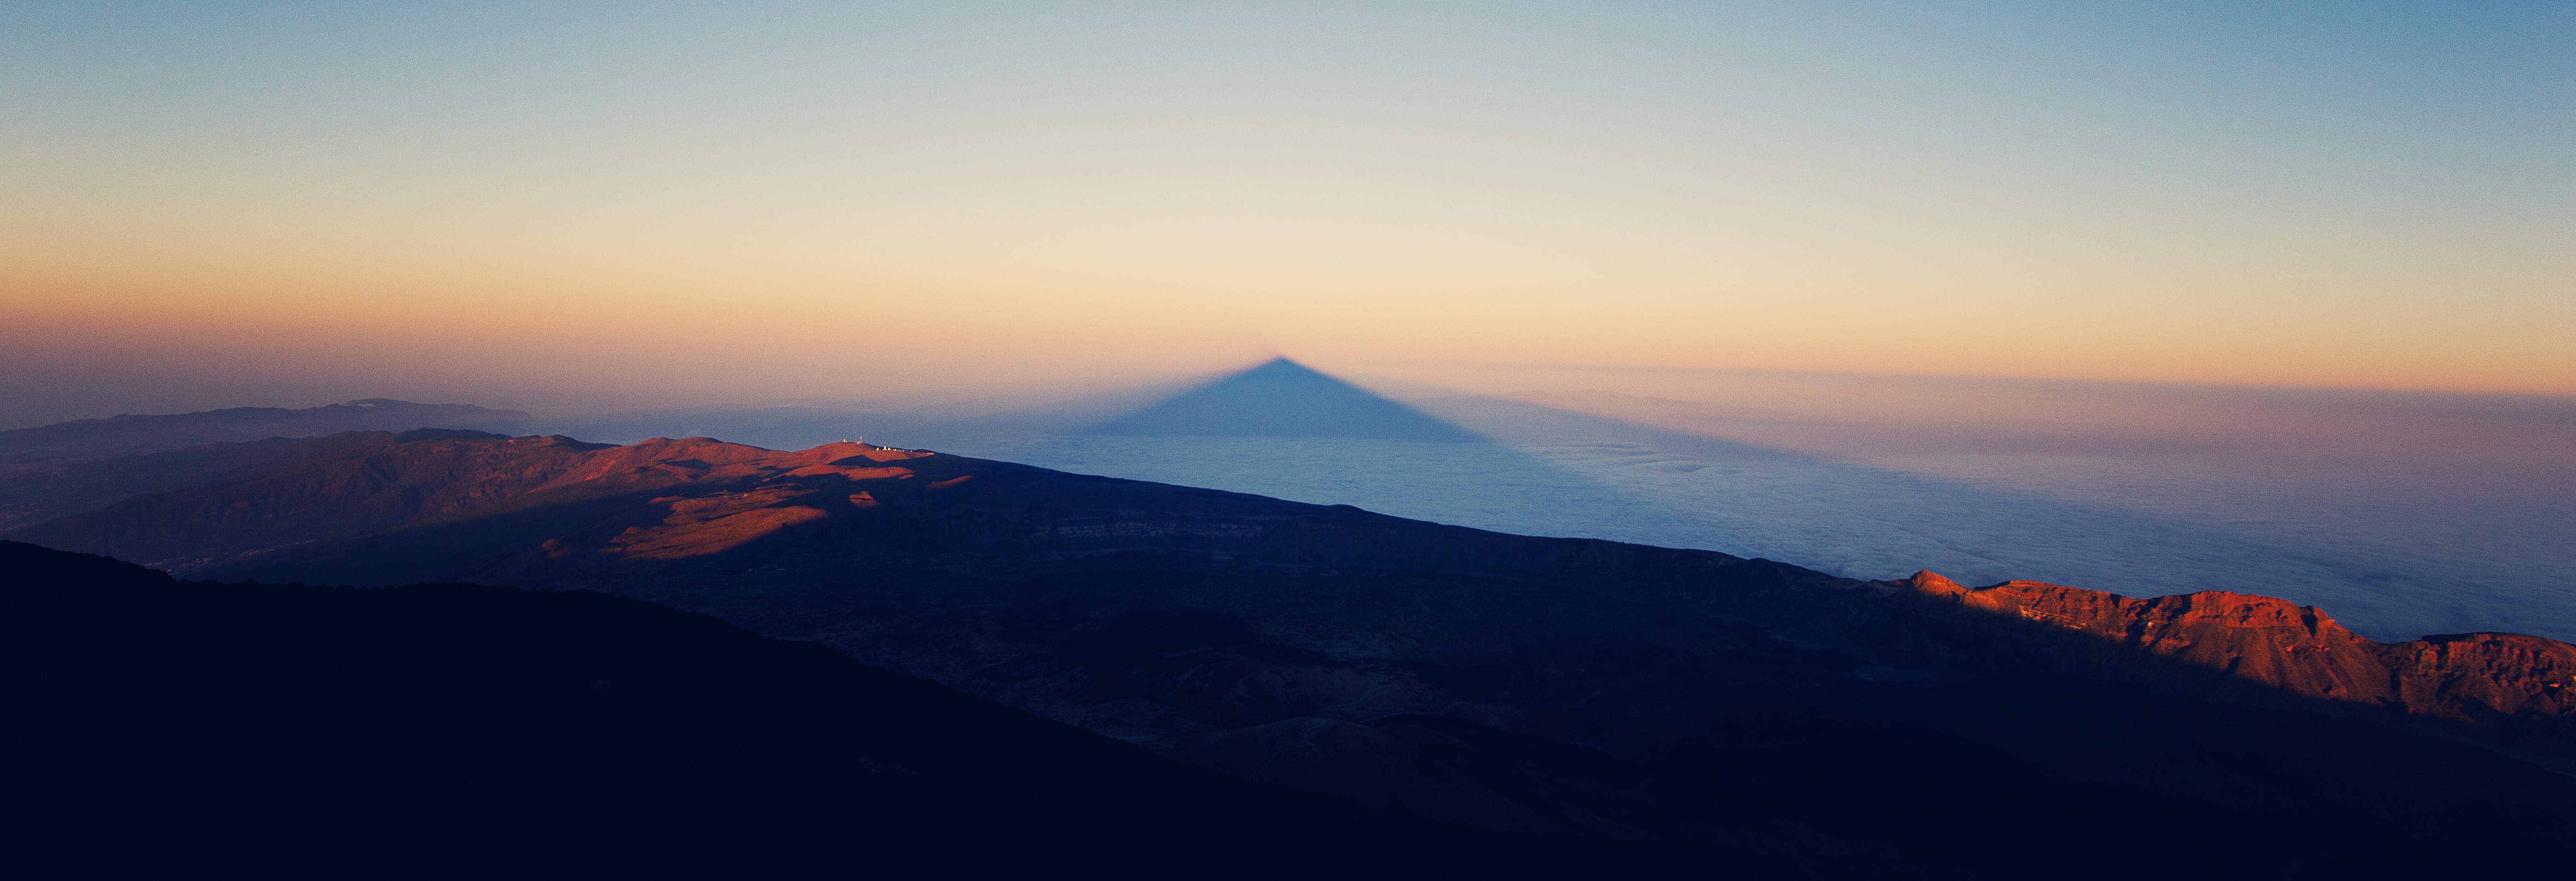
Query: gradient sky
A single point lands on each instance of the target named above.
(594, 205)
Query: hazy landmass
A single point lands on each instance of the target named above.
(127, 434)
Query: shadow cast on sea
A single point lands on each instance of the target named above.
(1494, 463)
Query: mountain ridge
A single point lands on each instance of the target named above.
(129, 434)
(708, 497)
(1520, 683)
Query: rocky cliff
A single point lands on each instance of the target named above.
(2516, 690)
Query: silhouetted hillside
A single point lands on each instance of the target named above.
(181, 728)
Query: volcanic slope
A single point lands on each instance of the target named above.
(70, 467)
(1502, 681)
(443, 730)
(280, 493)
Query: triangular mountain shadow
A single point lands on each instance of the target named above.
(1283, 398)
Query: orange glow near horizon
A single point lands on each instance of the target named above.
(796, 339)
(609, 210)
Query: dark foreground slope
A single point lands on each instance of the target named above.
(1867, 729)
(187, 728)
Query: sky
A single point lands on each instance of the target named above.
(576, 207)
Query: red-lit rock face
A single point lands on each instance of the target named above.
(724, 496)
(704, 459)
(2296, 650)
(720, 495)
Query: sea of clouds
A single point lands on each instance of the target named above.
(2394, 528)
